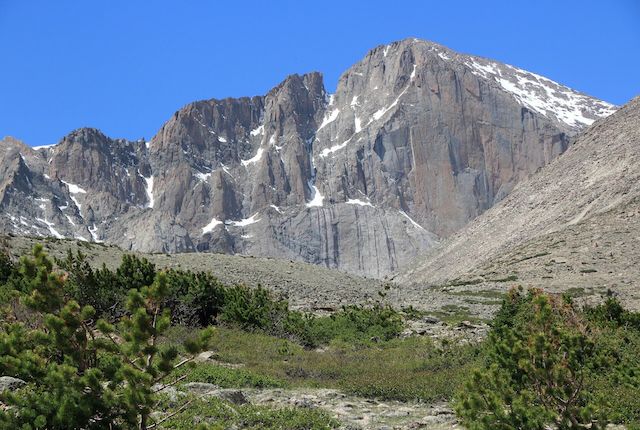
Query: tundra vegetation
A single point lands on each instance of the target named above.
(97, 349)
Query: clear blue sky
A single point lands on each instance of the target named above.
(125, 66)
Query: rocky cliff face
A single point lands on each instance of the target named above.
(416, 141)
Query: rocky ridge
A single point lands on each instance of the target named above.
(416, 141)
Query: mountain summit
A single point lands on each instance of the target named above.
(416, 141)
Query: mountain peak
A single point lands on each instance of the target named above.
(534, 92)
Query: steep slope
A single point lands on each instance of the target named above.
(573, 225)
(416, 141)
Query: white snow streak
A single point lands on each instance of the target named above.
(44, 146)
(244, 222)
(209, 227)
(380, 113)
(327, 151)
(52, 230)
(257, 131)
(415, 224)
(358, 125)
(73, 188)
(149, 190)
(204, 177)
(317, 199)
(329, 118)
(94, 233)
(276, 208)
(254, 159)
(358, 202)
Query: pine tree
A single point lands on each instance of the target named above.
(538, 354)
(82, 375)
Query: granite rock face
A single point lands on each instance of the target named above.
(416, 141)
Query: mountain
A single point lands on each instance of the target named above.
(416, 141)
(575, 224)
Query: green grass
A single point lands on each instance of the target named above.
(226, 377)
(575, 292)
(509, 278)
(461, 282)
(218, 415)
(455, 314)
(489, 294)
(400, 369)
(530, 257)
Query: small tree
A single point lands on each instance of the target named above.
(81, 375)
(534, 376)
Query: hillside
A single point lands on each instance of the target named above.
(574, 226)
(306, 286)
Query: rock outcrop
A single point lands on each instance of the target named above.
(416, 141)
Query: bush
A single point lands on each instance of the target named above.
(199, 299)
(79, 375)
(549, 364)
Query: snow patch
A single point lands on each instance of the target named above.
(358, 202)
(385, 51)
(222, 139)
(329, 118)
(316, 200)
(204, 177)
(70, 220)
(94, 234)
(354, 101)
(209, 227)
(257, 131)
(225, 169)
(74, 189)
(277, 209)
(52, 230)
(380, 113)
(542, 95)
(149, 190)
(358, 125)
(44, 146)
(244, 222)
(254, 159)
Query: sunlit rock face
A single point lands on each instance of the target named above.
(416, 141)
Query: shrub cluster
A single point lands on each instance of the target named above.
(549, 363)
(199, 299)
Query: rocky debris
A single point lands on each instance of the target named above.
(354, 412)
(462, 332)
(8, 383)
(200, 387)
(573, 227)
(361, 413)
(416, 141)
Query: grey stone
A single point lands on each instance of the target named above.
(9, 383)
(200, 387)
